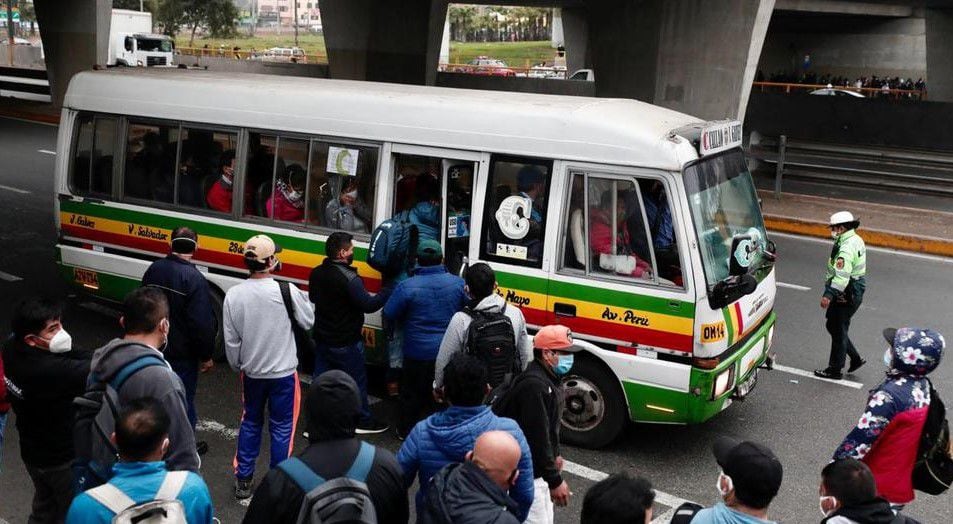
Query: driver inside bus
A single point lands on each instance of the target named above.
(660, 226)
(611, 250)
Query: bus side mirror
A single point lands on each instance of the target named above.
(731, 289)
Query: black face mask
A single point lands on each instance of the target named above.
(349, 259)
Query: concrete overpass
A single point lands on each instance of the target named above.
(695, 56)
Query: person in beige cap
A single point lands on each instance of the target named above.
(260, 343)
(535, 402)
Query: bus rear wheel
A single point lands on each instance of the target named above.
(595, 411)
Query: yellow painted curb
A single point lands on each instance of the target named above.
(873, 237)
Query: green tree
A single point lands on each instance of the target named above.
(218, 17)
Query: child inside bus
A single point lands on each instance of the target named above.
(287, 200)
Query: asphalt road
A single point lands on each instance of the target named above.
(802, 419)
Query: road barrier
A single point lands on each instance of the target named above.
(868, 92)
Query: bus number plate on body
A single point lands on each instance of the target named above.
(86, 278)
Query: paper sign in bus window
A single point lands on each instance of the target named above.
(342, 161)
(458, 226)
(511, 251)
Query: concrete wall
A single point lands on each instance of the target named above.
(23, 56)
(74, 39)
(217, 63)
(939, 56)
(851, 46)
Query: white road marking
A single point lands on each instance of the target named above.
(595, 476)
(808, 374)
(46, 152)
(792, 286)
(9, 278)
(16, 190)
(911, 254)
(216, 427)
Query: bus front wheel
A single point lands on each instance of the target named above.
(595, 411)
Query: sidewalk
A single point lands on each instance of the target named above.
(895, 227)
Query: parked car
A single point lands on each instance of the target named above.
(483, 65)
(585, 75)
(284, 54)
(833, 91)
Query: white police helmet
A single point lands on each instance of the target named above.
(841, 217)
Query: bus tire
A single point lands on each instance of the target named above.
(595, 411)
(217, 301)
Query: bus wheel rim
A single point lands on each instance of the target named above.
(585, 405)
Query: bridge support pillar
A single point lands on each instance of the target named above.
(939, 36)
(74, 39)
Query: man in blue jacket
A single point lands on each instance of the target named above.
(191, 321)
(423, 305)
(447, 436)
(142, 438)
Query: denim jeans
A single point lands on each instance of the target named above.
(188, 371)
(349, 359)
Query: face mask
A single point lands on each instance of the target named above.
(888, 357)
(61, 342)
(724, 491)
(349, 259)
(820, 505)
(352, 194)
(834, 234)
(563, 365)
(165, 341)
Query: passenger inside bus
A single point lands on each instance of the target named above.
(287, 200)
(348, 212)
(611, 251)
(419, 176)
(660, 226)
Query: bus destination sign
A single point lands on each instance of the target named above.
(719, 136)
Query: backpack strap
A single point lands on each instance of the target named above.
(112, 497)
(131, 368)
(172, 485)
(362, 464)
(301, 474)
(286, 299)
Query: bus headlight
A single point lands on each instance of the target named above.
(722, 383)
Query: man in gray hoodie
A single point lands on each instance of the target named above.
(481, 288)
(145, 320)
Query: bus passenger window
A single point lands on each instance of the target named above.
(199, 165)
(287, 199)
(610, 239)
(150, 161)
(575, 245)
(658, 215)
(260, 172)
(92, 169)
(418, 193)
(515, 216)
(345, 186)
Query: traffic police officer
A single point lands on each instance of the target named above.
(843, 292)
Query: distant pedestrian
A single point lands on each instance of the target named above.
(340, 302)
(535, 402)
(476, 491)
(887, 436)
(843, 293)
(423, 305)
(749, 480)
(260, 343)
(487, 305)
(618, 499)
(141, 477)
(192, 326)
(448, 435)
(43, 376)
(848, 495)
(332, 408)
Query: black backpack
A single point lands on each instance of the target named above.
(490, 338)
(341, 500)
(933, 470)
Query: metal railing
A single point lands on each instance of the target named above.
(869, 92)
(243, 54)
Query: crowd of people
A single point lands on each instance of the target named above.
(480, 407)
(870, 82)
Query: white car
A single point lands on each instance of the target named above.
(833, 91)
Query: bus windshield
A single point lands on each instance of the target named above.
(723, 203)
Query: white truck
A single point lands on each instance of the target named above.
(132, 42)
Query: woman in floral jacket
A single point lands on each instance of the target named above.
(888, 434)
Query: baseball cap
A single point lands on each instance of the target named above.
(429, 249)
(754, 470)
(261, 248)
(556, 338)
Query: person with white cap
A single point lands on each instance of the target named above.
(843, 293)
(260, 342)
(535, 402)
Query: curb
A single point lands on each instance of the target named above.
(872, 237)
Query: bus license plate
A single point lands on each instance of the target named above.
(86, 278)
(742, 390)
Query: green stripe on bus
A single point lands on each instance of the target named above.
(731, 327)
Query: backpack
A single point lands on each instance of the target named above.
(304, 342)
(393, 244)
(500, 396)
(933, 469)
(164, 508)
(490, 337)
(96, 413)
(685, 513)
(345, 499)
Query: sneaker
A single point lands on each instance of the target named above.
(829, 374)
(854, 366)
(201, 447)
(242, 489)
(370, 427)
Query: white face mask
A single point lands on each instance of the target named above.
(888, 357)
(834, 234)
(61, 342)
(721, 490)
(820, 505)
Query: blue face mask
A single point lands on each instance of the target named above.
(563, 365)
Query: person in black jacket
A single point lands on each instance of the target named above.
(848, 495)
(332, 407)
(191, 320)
(340, 302)
(476, 491)
(535, 403)
(44, 376)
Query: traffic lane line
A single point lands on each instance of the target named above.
(46, 152)
(870, 248)
(808, 374)
(15, 190)
(792, 286)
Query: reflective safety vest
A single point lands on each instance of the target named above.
(848, 262)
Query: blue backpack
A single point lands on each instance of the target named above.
(393, 244)
(342, 500)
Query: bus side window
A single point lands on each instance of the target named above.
(661, 230)
(515, 215)
(199, 165)
(92, 169)
(260, 172)
(610, 237)
(286, 200)
(345, 187)
(151, 151)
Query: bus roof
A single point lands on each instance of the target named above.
(604, 130)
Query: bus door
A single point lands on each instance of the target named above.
(436, 187)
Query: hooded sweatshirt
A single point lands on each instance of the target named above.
(876, 511)
(464, 494)
(887, 436)
(447, 436)
(455, 339)
(158, 382)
